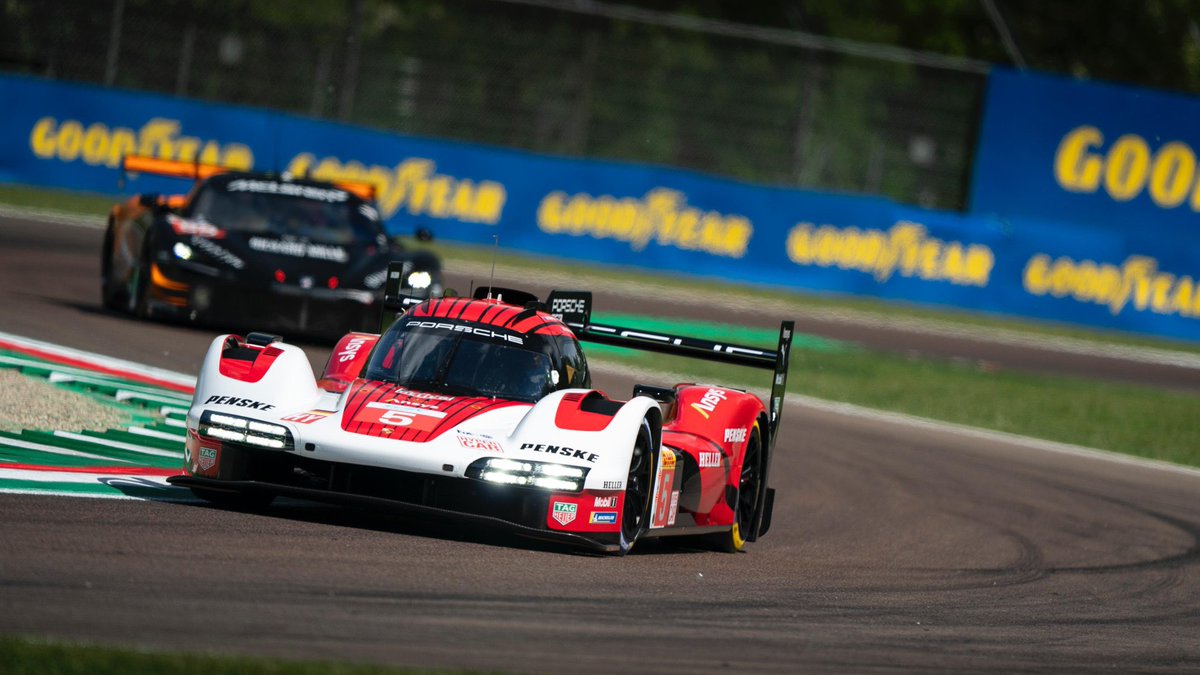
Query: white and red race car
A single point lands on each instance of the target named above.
(482, 409)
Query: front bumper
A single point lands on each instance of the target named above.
(519, 510)
(285, 308)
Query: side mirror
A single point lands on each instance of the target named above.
(423, 234)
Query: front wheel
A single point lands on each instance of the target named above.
(109, 293)
(638, 484)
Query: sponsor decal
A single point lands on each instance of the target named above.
(462, 328)
(478, 443)
(415, 186)
(561, 450)
(238, 402)
(299, 249)
(661, 516)
(351, 348)
(613, 485)
(735, 435)
(603, 518)
(98, 144)
(1136, 283)
(663, 217)
(196, 228)
(565, 512)
(709, 460)
(312, 192)
(399, 416)
(306, 417)
(674, 508)
(709, 401)
(219, 252)
(409, 393)
(906, 249)
(605, 502)
(562, 306)
(207, 458)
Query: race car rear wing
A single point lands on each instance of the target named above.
(195, 170)
(574, 308)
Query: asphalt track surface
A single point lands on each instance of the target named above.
(894, 548)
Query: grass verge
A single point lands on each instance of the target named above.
(21, 656)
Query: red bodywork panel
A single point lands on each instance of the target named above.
(588, 511)
(235, 366)
(709, 429)
(388, 411)
(570, 415)
(347, 361)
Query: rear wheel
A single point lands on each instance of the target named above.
(109, 295)
(638, 484)
(746, 500)
(236, 501)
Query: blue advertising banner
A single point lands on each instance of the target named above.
(1110, 156)
(996, 259)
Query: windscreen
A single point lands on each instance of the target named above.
(461, 364)
(323, 215)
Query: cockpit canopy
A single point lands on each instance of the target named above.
(471, 359)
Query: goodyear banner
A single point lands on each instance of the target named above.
(1019, 260)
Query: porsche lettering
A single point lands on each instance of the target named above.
(473, 330)
(561, 450)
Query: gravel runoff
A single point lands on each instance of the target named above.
(32, 403)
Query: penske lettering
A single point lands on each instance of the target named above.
(238, 402)
(708, 403)
(735, 435)
(462, 328)
(561, 450)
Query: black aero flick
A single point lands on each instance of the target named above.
(251, 249)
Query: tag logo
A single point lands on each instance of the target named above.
(565, 512)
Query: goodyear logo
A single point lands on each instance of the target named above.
(662, 216)
(100, 145)
(415, 186)
(1128, 166)
(1136, 281)
(906, 249)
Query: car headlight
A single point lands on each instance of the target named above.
(237, 429)
(420, 279)
(182, 251)
(545, 475)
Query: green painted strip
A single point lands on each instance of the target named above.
(756, 337)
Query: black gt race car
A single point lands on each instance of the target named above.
(289, 254)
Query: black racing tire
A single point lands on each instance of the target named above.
(139, 283)
(746, 500)
(639, 484)
(110, 296)
(235, 501)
